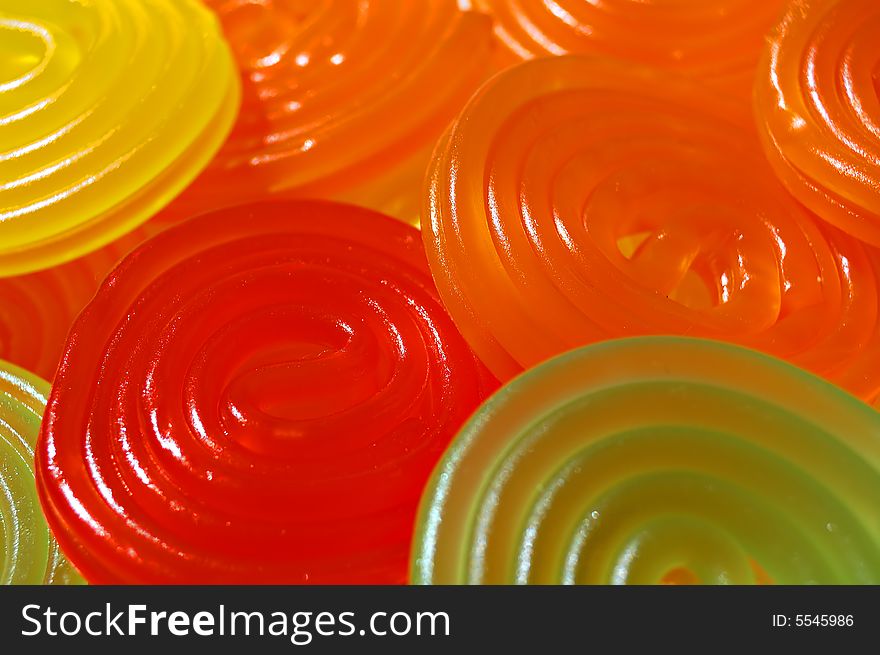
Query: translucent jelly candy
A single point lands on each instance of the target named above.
(107, 110)
(28, 553)
(37, 309)
(256, 395)
(341, 99)
(577, 199)
(719, 41)
(658, 459)
(817, 100)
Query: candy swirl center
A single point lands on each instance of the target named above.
(270, 387)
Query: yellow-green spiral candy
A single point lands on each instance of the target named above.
(29, 554)
(659, 459)
(108, 109)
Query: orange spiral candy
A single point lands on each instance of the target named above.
(37, 309)
(719, 41)
(342, 99)
(817, 101)
(578, 199)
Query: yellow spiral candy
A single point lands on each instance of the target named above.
(658, 460)
(28, 553)
(108, 109)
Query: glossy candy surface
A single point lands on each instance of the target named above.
(108, 108)
(578, 199)
(257, 395)
(658, 460)
(817, 101)
(28, 553)
(719, 41)
(342, 99)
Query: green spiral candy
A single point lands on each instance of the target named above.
(29, 554)
(658, 460)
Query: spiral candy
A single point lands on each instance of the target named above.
(29, 554)
(37, 309)
(256, 395)
(107, 110)
(342, 100)
(577, 199)
(658, 459)
(817, 101)
(718, 41)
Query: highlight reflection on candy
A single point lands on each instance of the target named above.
(28, 553)
(107, 111)
(817, 100)
(37, 309)
(577, 199)
(258, 395)
(719, 41)
(342, 99)
(658, 459)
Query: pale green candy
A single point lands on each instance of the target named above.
(658, 460)
(28, 553)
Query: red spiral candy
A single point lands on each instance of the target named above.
(256, 395)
